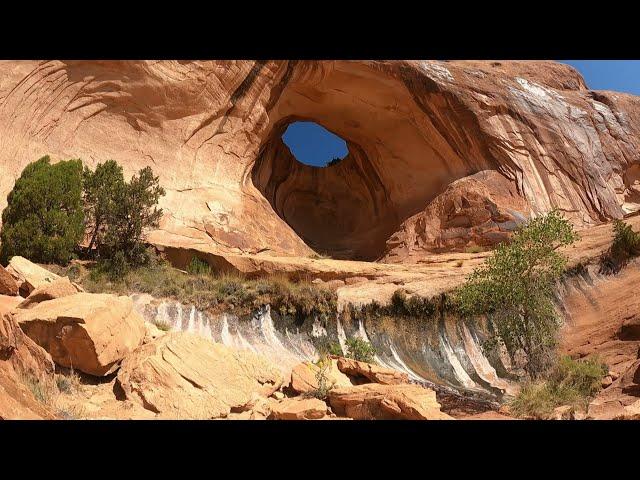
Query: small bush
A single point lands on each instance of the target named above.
(474, 249)
(198, 267)
(570, 382)
(625, 245)
(69, 383)
(43, 389)
(360, 350)
(327, 347)
(324, 385)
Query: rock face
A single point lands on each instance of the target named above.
(212, 131)
(29, 275)
(89, 332)
(181, 375)
(372, 373)
(480, 210)
(20, 357)
(373, 401)
(8, 285)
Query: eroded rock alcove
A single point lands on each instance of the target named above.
(397, 161)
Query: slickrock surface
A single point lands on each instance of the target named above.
(181, 375)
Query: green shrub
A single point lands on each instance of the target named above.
(198, 267)
(515, 290)
(119, 213)
(625, 245)
(474, 249)
(43, 220)
(570, 382)
(322, 379)
(360, 350)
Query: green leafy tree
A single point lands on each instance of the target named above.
(100, 189)
(514, 288)
(134, 208)
(43, 220)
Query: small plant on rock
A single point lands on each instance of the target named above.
(360, 350)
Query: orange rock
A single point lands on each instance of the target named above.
(89, 332)
(8, 285)
(181, 375)
(373, 401)
(29, 275)
(58, 288)
(373, 373)
(304, 380)
(299, 409)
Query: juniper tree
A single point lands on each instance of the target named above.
(43, 220)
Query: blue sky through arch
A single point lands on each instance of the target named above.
(314, 145)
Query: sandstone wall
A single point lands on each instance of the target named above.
(211, 130)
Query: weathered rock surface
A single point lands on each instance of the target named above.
(370, 372)
(8, 285)
(89, 332)
(58, 288)
(373, 401)
(299, 409)
(20, 358)
(478, 210)
(212, 131)
(304, 379)
(181, 375)
(9, 303)
(29, 275)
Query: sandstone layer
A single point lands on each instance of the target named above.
(212, 131)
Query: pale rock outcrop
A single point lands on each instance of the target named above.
(363, 372)
(181, 375)
(8, 285)
(58, 288)
(373, 401)
(304, 377)
(89, 332)
(299, 409)
(29, 275)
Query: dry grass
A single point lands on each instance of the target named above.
(218, 291)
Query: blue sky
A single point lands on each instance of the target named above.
(618, 75)
(314, 145)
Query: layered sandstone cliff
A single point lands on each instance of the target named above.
(212, 131)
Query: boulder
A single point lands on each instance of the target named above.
(181, 375)
(89, 332)
(299, 409)
(8, 285)
(373, 401)
(29, 275)
(371, 373)
(20, 358)
(303, 377)
(60, 287)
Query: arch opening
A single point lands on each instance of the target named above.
(313, 145)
